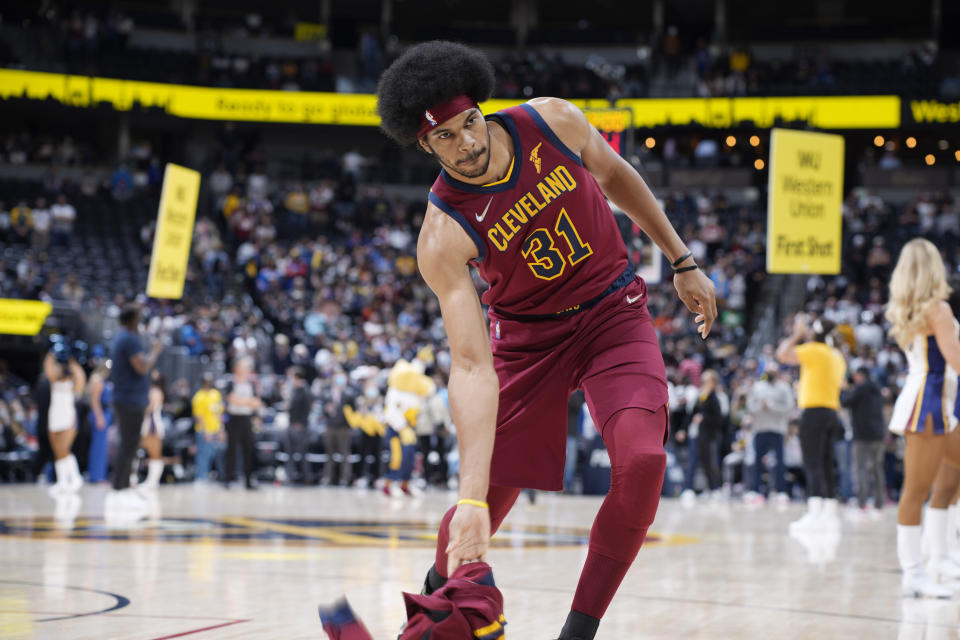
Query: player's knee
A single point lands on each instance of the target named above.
(643, 465)
(639, 480)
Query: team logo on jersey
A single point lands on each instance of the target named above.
(430, 118)
(535, 156)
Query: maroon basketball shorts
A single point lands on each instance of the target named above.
(610, 351)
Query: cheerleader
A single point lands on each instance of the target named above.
(925, 412)
(151, 434)
(67, 380)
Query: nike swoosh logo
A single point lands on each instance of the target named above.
(634, 299)
(481, 217)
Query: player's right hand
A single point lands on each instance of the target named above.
(469, 536)
(696, 291)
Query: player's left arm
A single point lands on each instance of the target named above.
(624, 186)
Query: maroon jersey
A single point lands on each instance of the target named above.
(547, 240)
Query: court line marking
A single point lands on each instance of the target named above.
(743, 605)
(201, 630)
(123, 615)
(121, 601)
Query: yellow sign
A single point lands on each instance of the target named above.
(610, 120)
(214, 103)
(23, 317)
(171, 241)
(306, 31)
(804, 216)
(934, 111)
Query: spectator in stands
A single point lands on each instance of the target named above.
(208, 424)
(64, 215)
(121, 183)
(865, 401)
(21, 221)
(297, 204)
(4, 223)
(131, 384)
(770, 402)
(299, 470)
(243, 403)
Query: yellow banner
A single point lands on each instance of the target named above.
(306, 31)
(171, 241)
(214, 103)
(23, 317)
(804, 215)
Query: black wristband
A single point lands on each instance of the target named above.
(685, 269)
(680, 260)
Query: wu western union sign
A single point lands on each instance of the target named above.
(804, 211)
(212, 103)
(171, 241)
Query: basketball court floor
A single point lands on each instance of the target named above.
(215, 563)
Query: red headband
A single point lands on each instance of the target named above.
(440, 113)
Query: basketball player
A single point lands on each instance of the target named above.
(521, 195)
(926, 411)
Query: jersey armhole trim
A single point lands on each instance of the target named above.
(550, 135)
(453, 213)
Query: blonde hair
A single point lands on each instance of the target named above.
(918, 283)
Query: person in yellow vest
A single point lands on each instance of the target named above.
(822, 371)
(208, 424)
(407, 388)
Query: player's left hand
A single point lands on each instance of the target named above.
(696, 291)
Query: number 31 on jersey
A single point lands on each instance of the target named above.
(544, 256)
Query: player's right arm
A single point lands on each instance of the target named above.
(443, 252)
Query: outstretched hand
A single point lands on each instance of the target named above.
(696, 291)
(469, 536)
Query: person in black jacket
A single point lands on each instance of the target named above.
(298, 433)
(708, 421)
(865, 402)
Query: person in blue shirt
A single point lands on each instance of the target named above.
(132, 364)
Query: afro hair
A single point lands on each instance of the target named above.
(425, 75)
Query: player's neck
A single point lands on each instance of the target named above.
(501, 155)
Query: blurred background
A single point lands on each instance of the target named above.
(304, 247)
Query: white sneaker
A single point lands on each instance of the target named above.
(58, 490)
(829, 516)
(688, 498)
(919, 585)
(943, 569)
(123, 500)
(811, 520)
